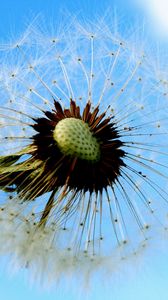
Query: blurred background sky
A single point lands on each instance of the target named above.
(150, 280)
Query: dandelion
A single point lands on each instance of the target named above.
(83, 165)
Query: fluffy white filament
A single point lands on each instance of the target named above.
(85, 62)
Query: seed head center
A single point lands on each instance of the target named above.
(73, 137)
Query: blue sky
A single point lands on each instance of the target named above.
(150, 281)
(14, 15)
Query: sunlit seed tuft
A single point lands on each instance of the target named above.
(84, 183)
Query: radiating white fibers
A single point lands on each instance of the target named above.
(84, 231)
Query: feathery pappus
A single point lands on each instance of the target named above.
(83, 162)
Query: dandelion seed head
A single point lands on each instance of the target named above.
(83, 165)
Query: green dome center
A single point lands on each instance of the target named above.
(74, 138)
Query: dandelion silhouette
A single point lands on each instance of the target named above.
(83, 165)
